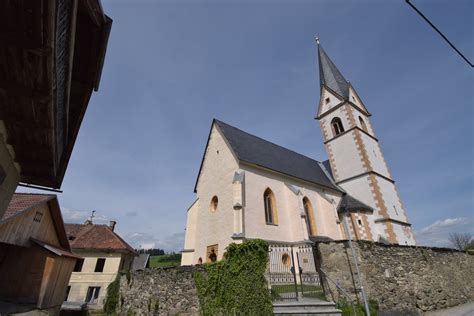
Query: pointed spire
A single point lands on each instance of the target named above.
(329, 75)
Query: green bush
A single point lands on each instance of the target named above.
(346, 308)
(236, 285)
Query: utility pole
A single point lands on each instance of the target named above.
(348, 232)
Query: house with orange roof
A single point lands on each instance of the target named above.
(36, 261)
(105, 255)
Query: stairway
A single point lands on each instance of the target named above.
(306, 306)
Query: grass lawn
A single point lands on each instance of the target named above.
(164, 261)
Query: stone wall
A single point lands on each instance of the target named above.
(159, 291)
(400, 278)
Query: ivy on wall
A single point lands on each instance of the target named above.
(236, 284)
(112, 298)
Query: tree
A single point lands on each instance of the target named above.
(460, 241)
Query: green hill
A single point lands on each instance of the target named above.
(169, 260)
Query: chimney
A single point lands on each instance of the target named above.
(112, 225)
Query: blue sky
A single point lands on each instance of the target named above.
(172, 66)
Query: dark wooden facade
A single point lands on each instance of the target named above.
(35, 257)
(51, 57)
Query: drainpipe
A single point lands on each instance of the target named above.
(348, 232)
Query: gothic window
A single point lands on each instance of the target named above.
(337, 127)
(362, 124)
(271, 216)
(214, 203)
(309, 212)
(200, 260)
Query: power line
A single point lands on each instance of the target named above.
(439, 32)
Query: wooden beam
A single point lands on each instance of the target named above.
(19, 90)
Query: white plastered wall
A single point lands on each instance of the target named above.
(81, 281)
(290, 227)
(346, 157)
(375, 155)
(333, 101)
(216, 177)
(190, 234)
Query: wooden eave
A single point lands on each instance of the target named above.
(51, 58)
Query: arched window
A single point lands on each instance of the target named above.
(362, 123)
(337, 127)
(214, 203)
(200, 260)
(309, 212)
(271, 216)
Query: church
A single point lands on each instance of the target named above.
(250, 188)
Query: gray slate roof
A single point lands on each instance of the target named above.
(140, 262)
(349, 203)
(330, 76)
(255, 150)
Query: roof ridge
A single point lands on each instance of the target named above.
(219, 121)
(30, 193)
(120, 238)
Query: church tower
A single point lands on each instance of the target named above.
(357, 163)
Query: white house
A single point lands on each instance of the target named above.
(105, 255)
(250, 188)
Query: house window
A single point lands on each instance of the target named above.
(38, 217)
(285, 259)
(78, 266)
(214, 203)
(67, 292)
(362, 124)
(309, 212)
(92, 294)
(200, 260)
(337, 127)
(271, 217)
(359, 222)
(212, 252)
(99, 266)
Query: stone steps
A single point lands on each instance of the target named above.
(306, 307)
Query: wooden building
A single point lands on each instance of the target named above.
(35, 258)
(51, 58)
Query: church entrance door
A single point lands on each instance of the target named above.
(309, 281)
(292, 272)
(281, 273)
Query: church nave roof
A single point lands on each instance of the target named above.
(255, 150)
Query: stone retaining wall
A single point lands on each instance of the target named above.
(159, 291)
(400, 277)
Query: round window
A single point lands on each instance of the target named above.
(285, 259)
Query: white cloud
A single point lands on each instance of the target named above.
(173, 242)
(437, 234)
(78, 216)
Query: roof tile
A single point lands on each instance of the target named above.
(23, 201)
(94, 236)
